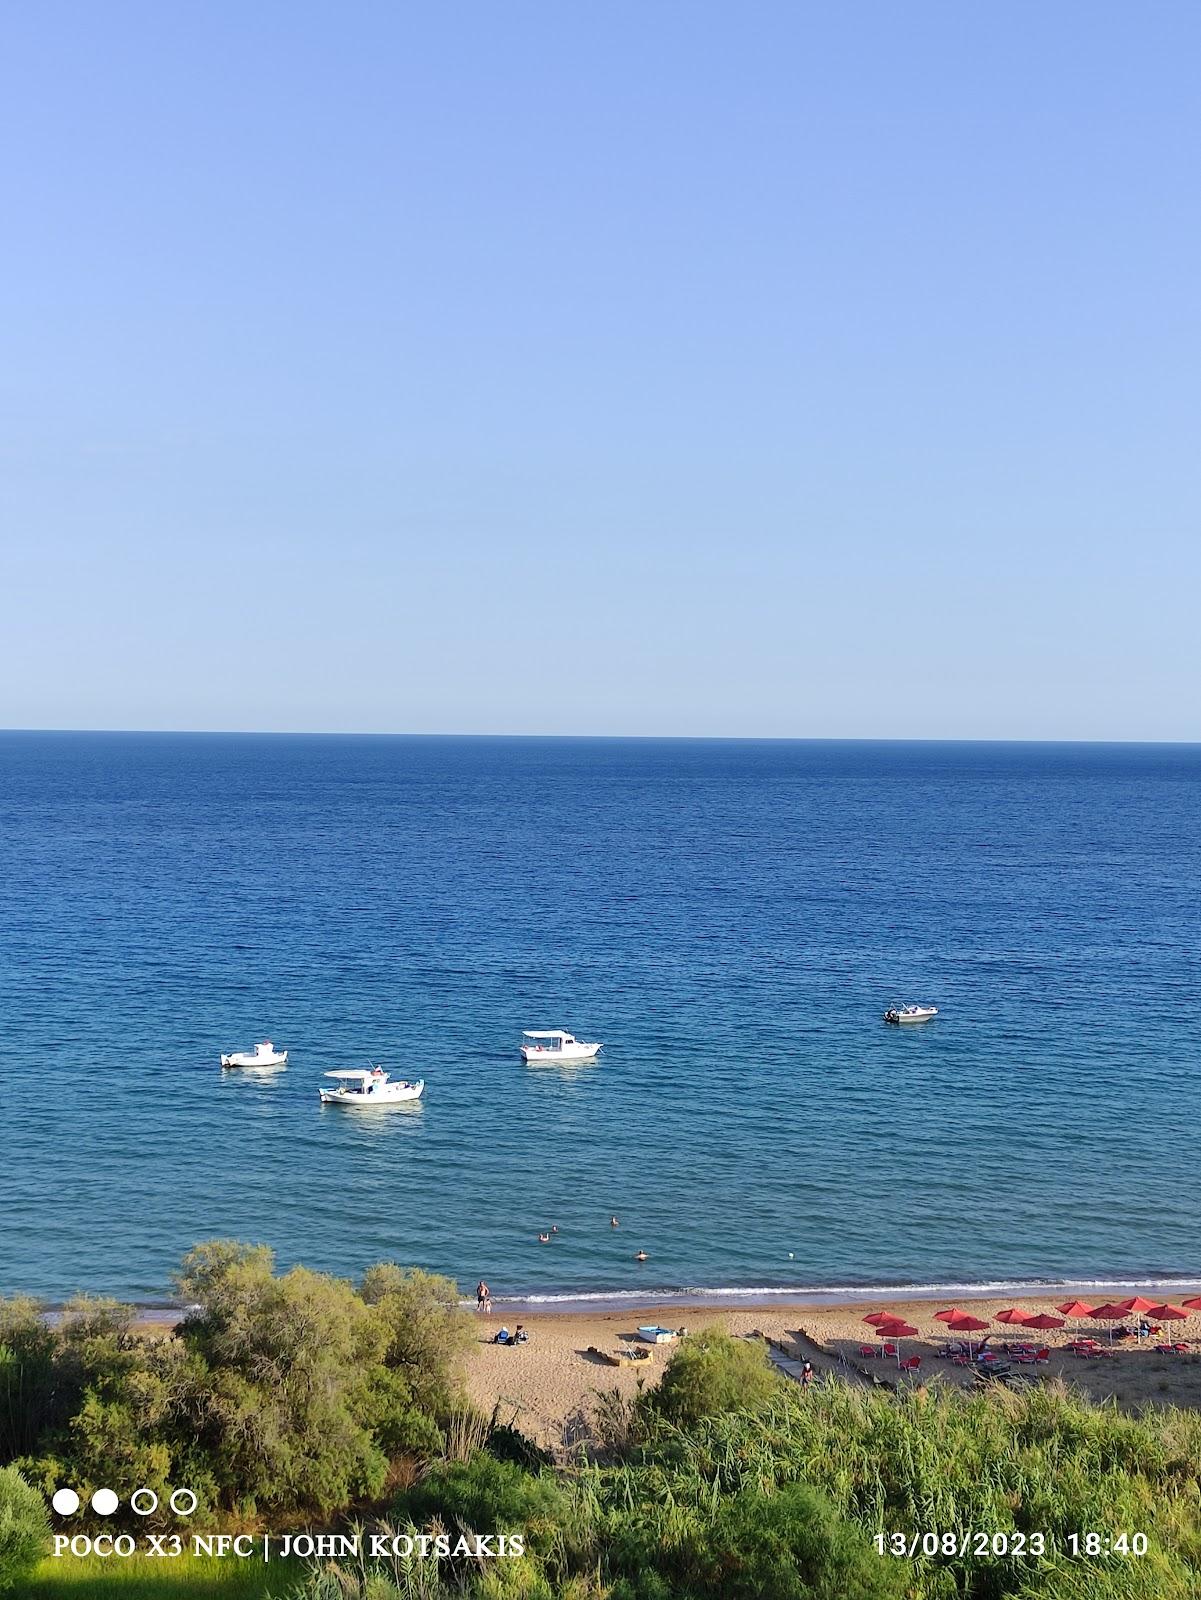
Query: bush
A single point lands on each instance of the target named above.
(24, 1530)
(711, 1373)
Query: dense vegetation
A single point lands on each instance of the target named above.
(24, 1528)
(284, 1393)
(296, 1395)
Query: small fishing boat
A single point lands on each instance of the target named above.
(900, 1014)
(263, 1055)
(372, 1087)
(555, 1045)
(653, 1334)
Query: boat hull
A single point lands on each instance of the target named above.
(392, 1094)
(243, 1058)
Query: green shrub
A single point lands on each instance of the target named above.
(24, 1531)
(711, 1372)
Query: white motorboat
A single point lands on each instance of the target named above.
(263, 1055)
(555, 1045)
(910, 1013)
(370, 1087)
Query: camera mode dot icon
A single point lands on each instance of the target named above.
(104, 1502)
(65, 1502)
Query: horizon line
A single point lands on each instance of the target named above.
(679, 738)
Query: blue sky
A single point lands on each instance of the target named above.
(768, 369)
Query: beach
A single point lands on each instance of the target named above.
(548, 1386)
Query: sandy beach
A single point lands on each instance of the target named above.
(548, 1386)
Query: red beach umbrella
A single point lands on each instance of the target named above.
(1137, 1303)
(945, 1316)
(1013, 1316)
(1075, 1309)
(1167, 1313)
(1193, 1303)
(878, 1317)
(1044, 1320)
(896, 1329)
(1107, 1313)
(964, 1322)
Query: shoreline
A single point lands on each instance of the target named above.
(851, 1295)
(768, 1298)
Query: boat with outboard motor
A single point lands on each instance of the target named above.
(899, 1014)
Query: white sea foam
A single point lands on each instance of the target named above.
(838, 1294)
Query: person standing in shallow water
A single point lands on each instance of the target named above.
(483, 1297)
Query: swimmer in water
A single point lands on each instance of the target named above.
(544, 1238)
(613, 1222)
(641, 1256)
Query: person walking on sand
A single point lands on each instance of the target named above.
(483, 1298)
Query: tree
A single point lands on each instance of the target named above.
(426, 1332)
(286, 1400)
(712, 1372)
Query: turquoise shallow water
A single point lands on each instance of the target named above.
(731, 918)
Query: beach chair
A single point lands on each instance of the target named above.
(888, 1350)
(867, 1350)
(911, 1364)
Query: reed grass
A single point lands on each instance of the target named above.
(184, 1577)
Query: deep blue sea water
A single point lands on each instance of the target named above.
(730, 917)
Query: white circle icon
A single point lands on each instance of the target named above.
(65, 1502)
(143, 1501)
(177, 1496)
(104, 1502)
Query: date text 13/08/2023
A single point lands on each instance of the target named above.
(1017, 1546)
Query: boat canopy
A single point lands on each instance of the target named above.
(552, 1033)
(356, 1073)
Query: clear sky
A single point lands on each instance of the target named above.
(619, 368)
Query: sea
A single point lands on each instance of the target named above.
(730, 917)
